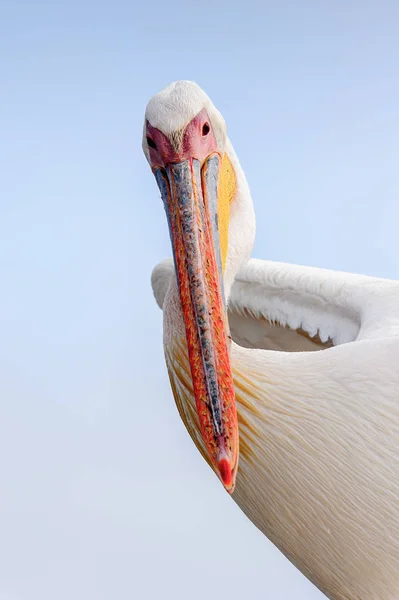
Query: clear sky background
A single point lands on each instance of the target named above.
(102, 494)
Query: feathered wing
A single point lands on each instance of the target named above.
(160, 279)
(277, 306)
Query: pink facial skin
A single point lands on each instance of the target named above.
(198, 142)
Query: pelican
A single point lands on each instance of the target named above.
(286, 377)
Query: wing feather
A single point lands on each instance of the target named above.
(317, 305)
(293, 308)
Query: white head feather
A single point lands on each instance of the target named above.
(174, 107)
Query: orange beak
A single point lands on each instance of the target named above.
(189, 190)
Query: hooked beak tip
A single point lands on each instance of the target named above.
(226, 474)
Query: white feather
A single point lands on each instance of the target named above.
(340, 307)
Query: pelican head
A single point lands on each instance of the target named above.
(199, 178)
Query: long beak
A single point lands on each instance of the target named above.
(190, 196)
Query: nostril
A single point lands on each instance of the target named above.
(205, 129)
(151, 143)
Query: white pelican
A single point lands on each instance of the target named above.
(318, 441)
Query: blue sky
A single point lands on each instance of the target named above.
(102, 494)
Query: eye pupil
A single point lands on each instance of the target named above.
(151, 143)
(205, 129)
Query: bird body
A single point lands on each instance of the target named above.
(315, 367)
(319, 430)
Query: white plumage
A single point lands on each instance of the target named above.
(324, 486)
(319, 430)
(269, 301)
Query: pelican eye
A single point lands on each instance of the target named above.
(151, 143)
(205, 129)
